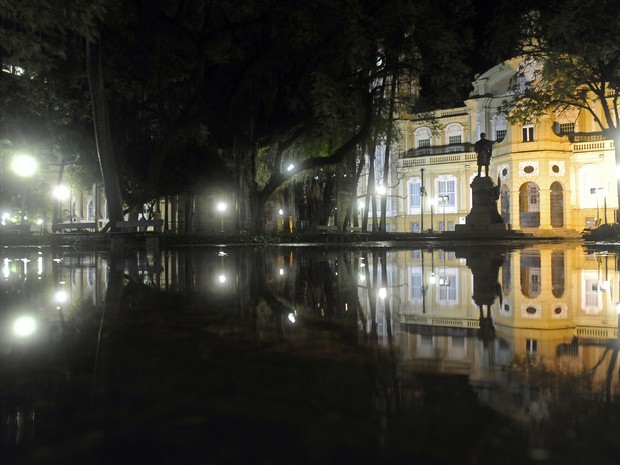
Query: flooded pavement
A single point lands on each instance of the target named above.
(268, 355)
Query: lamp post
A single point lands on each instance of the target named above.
(221, 207)
(443, 198)
(431, 202)
(603, 191)
(422, 195)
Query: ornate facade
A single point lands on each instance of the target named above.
(557, 174)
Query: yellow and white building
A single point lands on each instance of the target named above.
(557, 174)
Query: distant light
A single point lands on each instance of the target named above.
(281, 271)
(6, 216)
(290, 167)
(61, 297)
(39, 221)
(362, 278)
(291, 317)
(61, 192)
(360, 205)
(432, 278)
(221, 206)
(222, 278)
(281, 212)
(381, 190)
(24, 326)
(383, 292)
(24, 165)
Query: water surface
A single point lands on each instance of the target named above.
(460, 355)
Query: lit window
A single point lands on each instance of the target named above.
(500, 134)
(528, 133)
(414, 193)
(567, 128)
(446, 187)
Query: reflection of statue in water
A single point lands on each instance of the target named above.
(484, 263)
(484, 151)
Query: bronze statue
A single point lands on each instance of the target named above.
(484, 150)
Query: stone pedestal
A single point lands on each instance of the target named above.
(483, 215)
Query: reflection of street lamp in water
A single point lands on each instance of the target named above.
(221, 207)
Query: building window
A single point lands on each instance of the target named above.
(528, 133)
(442, 226)
(415, 284)
(567, 128)
(423, 137)
(415, 227)
(454, 133)
(500, 134)
(531, 347)
(530, 274)
(447, 287)
(415, 198)
(446, 187)
(557, 274)
(450, 225)
(90, 209)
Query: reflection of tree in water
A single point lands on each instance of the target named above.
(562, 413)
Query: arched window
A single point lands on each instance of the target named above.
(530, 274)
(529, 205)
(500, 127)
(422, 137)
(507, 275)
(90, 209)
(454, 134)
(557, 274)
(556, 203)
(505, 203)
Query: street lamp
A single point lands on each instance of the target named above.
(443, 198)
(24, 165)
(221, 207)
(60, 193)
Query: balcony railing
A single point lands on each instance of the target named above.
(438, 150)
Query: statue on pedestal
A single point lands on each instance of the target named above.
(484, 151)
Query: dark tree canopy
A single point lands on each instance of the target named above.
(197, 87)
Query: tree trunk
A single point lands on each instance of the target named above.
(370, 189)
(386, 161)
(103, 134)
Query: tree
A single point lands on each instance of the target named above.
(572, 61)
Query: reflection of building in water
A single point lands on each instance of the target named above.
(556, 305)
